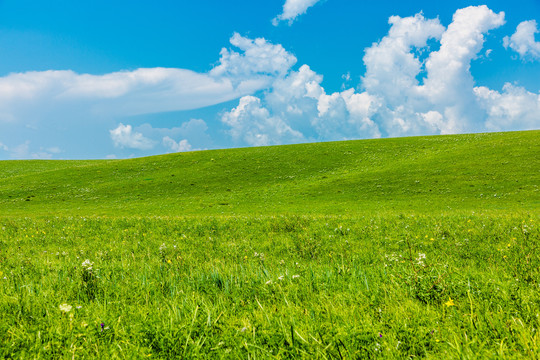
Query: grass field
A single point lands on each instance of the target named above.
(397, 248)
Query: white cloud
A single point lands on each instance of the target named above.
(449, 84)
(391, 74)
(61, 93)
(445, 102)
(513, 109)
(23, 151)
(3, 147)
(292, 9)
(298, 109)
(523, 42)
(253, 124)
(402, 95)
(181, 146)
(124, 137)
(391, 67)
(193, 131)
(64, 94)
(258, 58)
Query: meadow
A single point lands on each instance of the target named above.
(397, 248)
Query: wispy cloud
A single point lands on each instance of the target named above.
(23, 151)
(292, 9)
(150, 90)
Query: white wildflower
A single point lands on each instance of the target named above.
(65, 308)
(87, 265)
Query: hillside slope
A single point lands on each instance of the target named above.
(478, 172)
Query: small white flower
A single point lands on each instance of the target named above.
(87, 265)
(243, 329)
(280, 278)
(268, 282)
(295, 276)
(65, 308)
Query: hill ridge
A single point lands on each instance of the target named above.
(491, 171)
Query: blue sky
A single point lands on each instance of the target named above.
(118, 79)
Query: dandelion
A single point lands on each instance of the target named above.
(450, 302)
(65, 308)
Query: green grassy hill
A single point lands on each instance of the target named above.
(427, 247)
(496, 171)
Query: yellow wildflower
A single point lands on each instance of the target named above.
(450, 302)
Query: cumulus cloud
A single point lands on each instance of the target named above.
(512, 109)
(401, 93)
(297, 108)
(181, 146)
(258, 58)
(391, 66)
(124, 137)
(3, 147)
(292, 9)
(445, 102)
(449, 84)
(253, 124)
(523, 42)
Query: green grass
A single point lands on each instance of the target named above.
(398, 248)
(498, 171)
